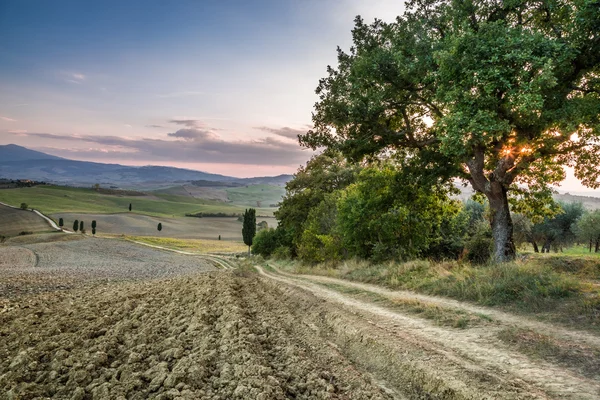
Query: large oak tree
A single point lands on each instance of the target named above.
(499, 93)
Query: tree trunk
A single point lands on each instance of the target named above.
(502, 226)
(546, 246)
(535, 247)
(597, 246)
(590, 245)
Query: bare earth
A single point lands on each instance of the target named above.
(13, 221)
(85, 318)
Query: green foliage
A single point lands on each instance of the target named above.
(587, 230)
(249, 226)
(93, 231)
(323, 174)
(61, 222)
(81, 227)
(558, 231)
(24, 206)
(129, 206)
(487, 92)
(75, 225)
(94, 224)
(479, 244)
(265, 242)
(388, 214)
(282, 253)
(159, 226)
(320, 240)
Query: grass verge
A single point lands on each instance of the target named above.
(532, 287)
(583, 359)
(440, 315)
(192, 245)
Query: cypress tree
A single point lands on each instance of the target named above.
(81, 229)
(75, 225)
(249, 227)
(159, 227)
(129, 206)
(61, 223)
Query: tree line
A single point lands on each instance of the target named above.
(334, 209)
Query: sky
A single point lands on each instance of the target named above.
(219, 86)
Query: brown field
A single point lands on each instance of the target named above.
(144, 225)
(14, 221)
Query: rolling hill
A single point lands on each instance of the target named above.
(18, 162)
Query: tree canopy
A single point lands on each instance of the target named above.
(500, 94)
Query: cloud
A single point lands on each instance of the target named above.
(193, 134)
(7, 119)
(154, 126)
(127, 126)
(195, 145)
(76, 77)
(190, 123)
(17, 131)
(285, 132)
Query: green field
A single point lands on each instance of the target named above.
(252, 196)
(55, 199)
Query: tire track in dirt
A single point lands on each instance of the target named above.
(473, 347)
(504, 317)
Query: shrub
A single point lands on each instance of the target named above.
(24, 206)
(22, 233)
(282, 253)
(479, 245)
(265, 242)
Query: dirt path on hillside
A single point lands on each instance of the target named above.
(476, 348)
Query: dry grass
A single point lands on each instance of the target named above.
(440, 315)
(576, 356)
(193, 245)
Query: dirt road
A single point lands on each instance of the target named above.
(122, 321)
(477, 348)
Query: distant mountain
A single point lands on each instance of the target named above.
(279, 180)
(12, 152)
(18, 162)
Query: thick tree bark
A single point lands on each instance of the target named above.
(502, 226)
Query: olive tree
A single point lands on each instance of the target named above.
(499, 94)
